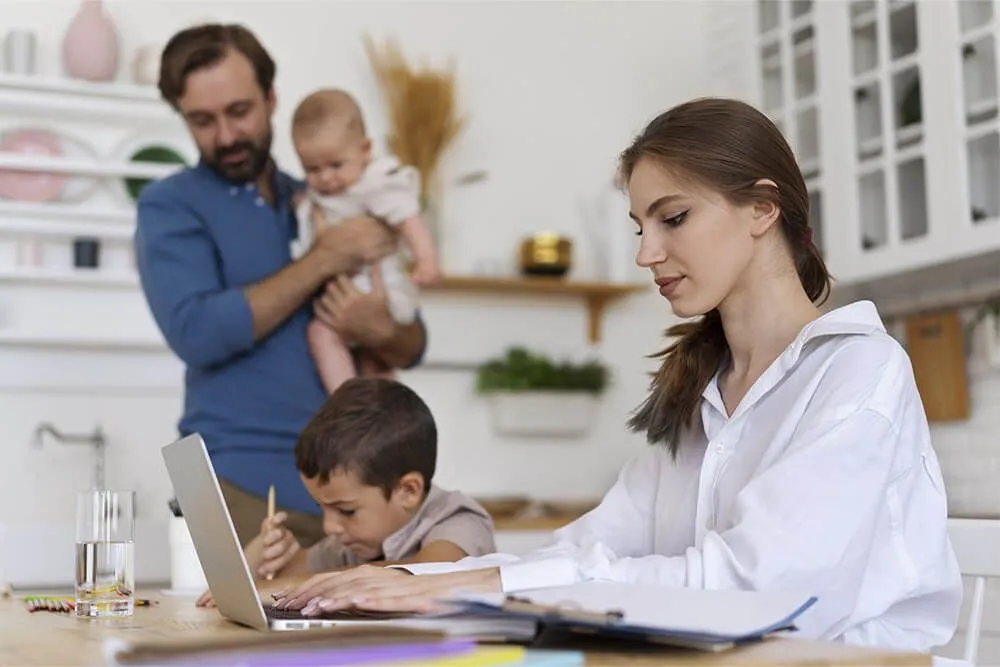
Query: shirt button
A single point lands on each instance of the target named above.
(249, 186)
(259, 201)
(233, 190)
(720, 447)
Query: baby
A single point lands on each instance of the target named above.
(345, 181)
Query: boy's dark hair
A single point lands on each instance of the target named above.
(204, 45)
(377, 429)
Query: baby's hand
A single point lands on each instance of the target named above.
(425, 273)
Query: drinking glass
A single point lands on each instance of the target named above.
(105, 545)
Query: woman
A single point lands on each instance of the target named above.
(789, 447)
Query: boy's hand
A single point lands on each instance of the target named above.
(277, 546)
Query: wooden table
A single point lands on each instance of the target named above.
(44, 638)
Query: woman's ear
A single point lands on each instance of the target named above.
(765, 213)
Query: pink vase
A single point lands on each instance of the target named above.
(90, 47)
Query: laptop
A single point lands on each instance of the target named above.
(228, 575)
(216, 543)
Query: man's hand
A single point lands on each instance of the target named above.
(353, 243)
(359, 318)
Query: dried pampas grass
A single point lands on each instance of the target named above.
(422, 109)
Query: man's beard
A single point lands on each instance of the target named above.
(250, 167)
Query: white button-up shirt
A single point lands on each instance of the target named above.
(823, 481)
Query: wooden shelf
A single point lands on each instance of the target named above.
(597, 295)
(543, 523)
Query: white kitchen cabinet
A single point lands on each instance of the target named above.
(789, 83)
(891, 109)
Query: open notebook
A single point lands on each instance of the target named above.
(703, 619)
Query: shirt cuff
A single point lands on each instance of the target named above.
(525, 575)
(427, 568)
(236, 319)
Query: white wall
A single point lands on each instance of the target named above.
(553, 91)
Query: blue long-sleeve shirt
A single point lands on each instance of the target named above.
(200, 241)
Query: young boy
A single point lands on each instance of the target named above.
(367, 458)
(345, 181)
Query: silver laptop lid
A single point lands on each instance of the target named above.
(215, 541)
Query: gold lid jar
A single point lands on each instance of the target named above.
(546, 254)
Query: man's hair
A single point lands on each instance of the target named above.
(377, 429)
(202, 46)
(329, 105)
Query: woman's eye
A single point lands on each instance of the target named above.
(346, 513)
(676, 220)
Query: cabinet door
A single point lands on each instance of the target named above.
(894, 97)
(732, 70)
(978, 222)
(788, 34)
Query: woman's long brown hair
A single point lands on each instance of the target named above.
(727, 146)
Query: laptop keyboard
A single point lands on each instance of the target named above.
(352, 615)
(283, 614)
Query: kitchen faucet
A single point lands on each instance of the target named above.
(95, 439)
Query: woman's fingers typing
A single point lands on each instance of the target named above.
(314, 587)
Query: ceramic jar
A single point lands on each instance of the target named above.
(146, 65)
(90, 46)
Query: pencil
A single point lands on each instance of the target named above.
(270, 515)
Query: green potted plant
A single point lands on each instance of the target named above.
(529, 394)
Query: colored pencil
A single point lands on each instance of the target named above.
(62, 604)
(270, 514)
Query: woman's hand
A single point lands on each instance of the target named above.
(328, 583)
(383, 589)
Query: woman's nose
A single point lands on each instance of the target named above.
(652, 250)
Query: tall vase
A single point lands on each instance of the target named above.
(90, 47)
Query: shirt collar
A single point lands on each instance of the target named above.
(855, 319)
(284, 185)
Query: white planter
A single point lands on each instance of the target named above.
(536, 414)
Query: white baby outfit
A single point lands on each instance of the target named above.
(388, 191)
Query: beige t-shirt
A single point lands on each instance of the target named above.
(445, 515)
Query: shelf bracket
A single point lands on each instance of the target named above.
(595, 316)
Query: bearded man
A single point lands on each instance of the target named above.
(213, 251)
